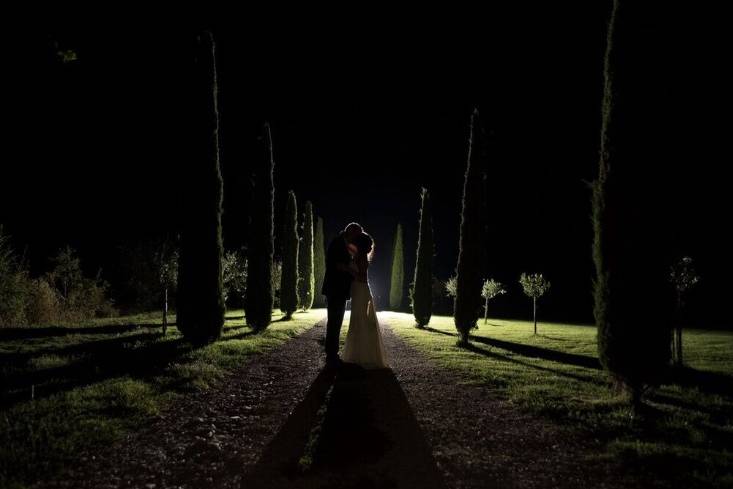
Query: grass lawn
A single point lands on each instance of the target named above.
(94, 382)
(687, 433)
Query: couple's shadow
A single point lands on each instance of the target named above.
(354, 428)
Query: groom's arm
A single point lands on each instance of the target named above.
(334, 260)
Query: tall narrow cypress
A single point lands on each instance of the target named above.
(261, 243)
(319, 262)
(306, 284)
(468, 271)
(397, 282)
(289, 281)
(422, 289)
(200, 305)
(633, 335)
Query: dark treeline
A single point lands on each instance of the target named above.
(541, 115)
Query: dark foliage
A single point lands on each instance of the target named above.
(397, 281)
(289, 281)
(259, 297)
(306, 284)
(200, 304)
(319, 262)
(629, 286)
(422, 288)
(470, 254)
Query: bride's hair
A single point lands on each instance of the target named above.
(365, 244)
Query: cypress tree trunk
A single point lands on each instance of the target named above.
(397, 284)
(468, 271)
(201, 294)
(261, 246)
(305, 261)
(289, 282)
(534, 313)
(422, 292)
(677, 353)
(633, 334)
(319, 262)
(165, 310)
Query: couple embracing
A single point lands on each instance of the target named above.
(347, 277)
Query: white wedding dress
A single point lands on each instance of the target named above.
(364, 345)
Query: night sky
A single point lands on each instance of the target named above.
(365, 110)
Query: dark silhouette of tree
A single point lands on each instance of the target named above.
(422, 288)
(305, 261)
(289, 283)
(468, 271)
(629, 283)
(200, 305)
(167, 261)
(397, 282)
(683, 277)
(319, 262)
(261, 247)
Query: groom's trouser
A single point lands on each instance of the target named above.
(336, 309)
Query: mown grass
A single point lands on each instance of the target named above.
(686, 433)
(93, 383)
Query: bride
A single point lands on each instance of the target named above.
(364, 344)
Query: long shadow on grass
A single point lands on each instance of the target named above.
(99, 361)
(718, 414)
(532, 351)
(354, 429)
(83, 348)
(47, 331)
(504, 358)
(140, 355)
(710, 382)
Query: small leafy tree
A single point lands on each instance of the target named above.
(534, 286)
(66, 273)
(490, 289)
(235, 274)
(450, 286)
(683, 277)
(168, 275)
(13, 285)
(79, 297)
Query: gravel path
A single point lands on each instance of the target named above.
(208, 439)
(283, 421)
(482, 441)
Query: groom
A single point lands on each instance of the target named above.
(337, 288)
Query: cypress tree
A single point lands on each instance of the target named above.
(633, 336)
(468, 271)
(305, 260)
(261, 246)
(422, 289)
(397, 283)
(319, 262)
(200, 305)
(289, 281)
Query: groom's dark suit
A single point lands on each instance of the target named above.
(337, 289)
